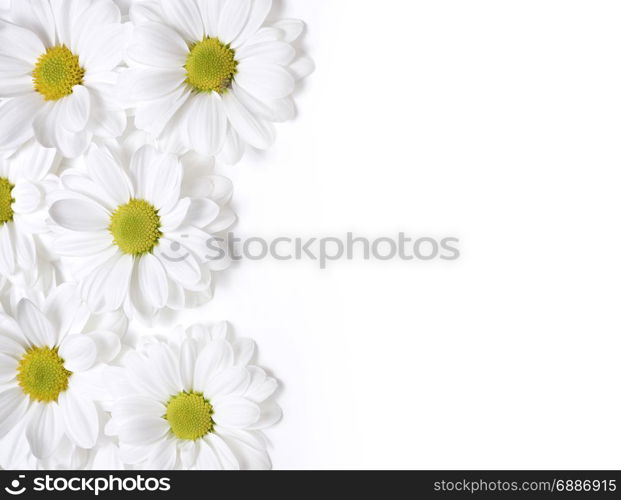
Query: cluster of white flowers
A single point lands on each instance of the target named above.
(113, 119)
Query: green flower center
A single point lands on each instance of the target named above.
(190, 416)
(136, 227)
(57, 72)
(42, 375)
(6, 201)
(211, 66)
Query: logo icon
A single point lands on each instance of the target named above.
(14, 489)
(175, 248)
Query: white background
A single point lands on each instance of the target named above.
(498, 122)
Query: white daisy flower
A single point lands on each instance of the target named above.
(138, 237)
(49, 356)
(210, 76)
(25, 184)
(193, 402)
(57, 73)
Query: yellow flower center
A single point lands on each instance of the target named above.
(190, 416)
(57, 72)
(6, 201)
(211, 66)
(42, 375)
(136, 227)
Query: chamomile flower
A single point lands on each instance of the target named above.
(50, 353)
(57, 73)
(137, 236)
(210, 76)
(25, 183)
(195, 401)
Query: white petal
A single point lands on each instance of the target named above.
(80, 215)
(28, 197)
(233, 149)
(36, 16)
(271, 414)
(249, 450)
(153, 116)
(210, 12)
(75, 109)
(244, 351)
(274, 110)
(224, 453)
(184, 271)
(202, 212)
(11, 347)
(107, 122)
(251, 129)
(264, 80)
(16, 117)
(292, 28)
(82, 244)
(185, 16)
(155, 44)
(261, 387)
(174, 219)
(108, 345)
(19, 42)
(134, 406)
(260, 10)
(187, 359)
(71, 144)
(13, 406)
(176, 296)
(44, 430)
(81, 419)
(207, 124)
(79, 352)
(8, 368)
(103, 169)
(133, 455)
(302, 67)
(233, 17)
(157, 176)
(233, 380)
(207, 458)
(163, 456)
(188, 453)
(214, 187)
(153, 281)
(143, 431)
(34, 325)
(32, 162)
(14, 86)
(141, 13)
(7, 250)
(149, 84)
(117, 282)
(74, 180)
(236, 412)
(214, 358)
(103, 49)
(11, 67)
(219, 331)
(265, 34)
(93, 285)
(85, 21)
(65, 310)
(280, 53)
